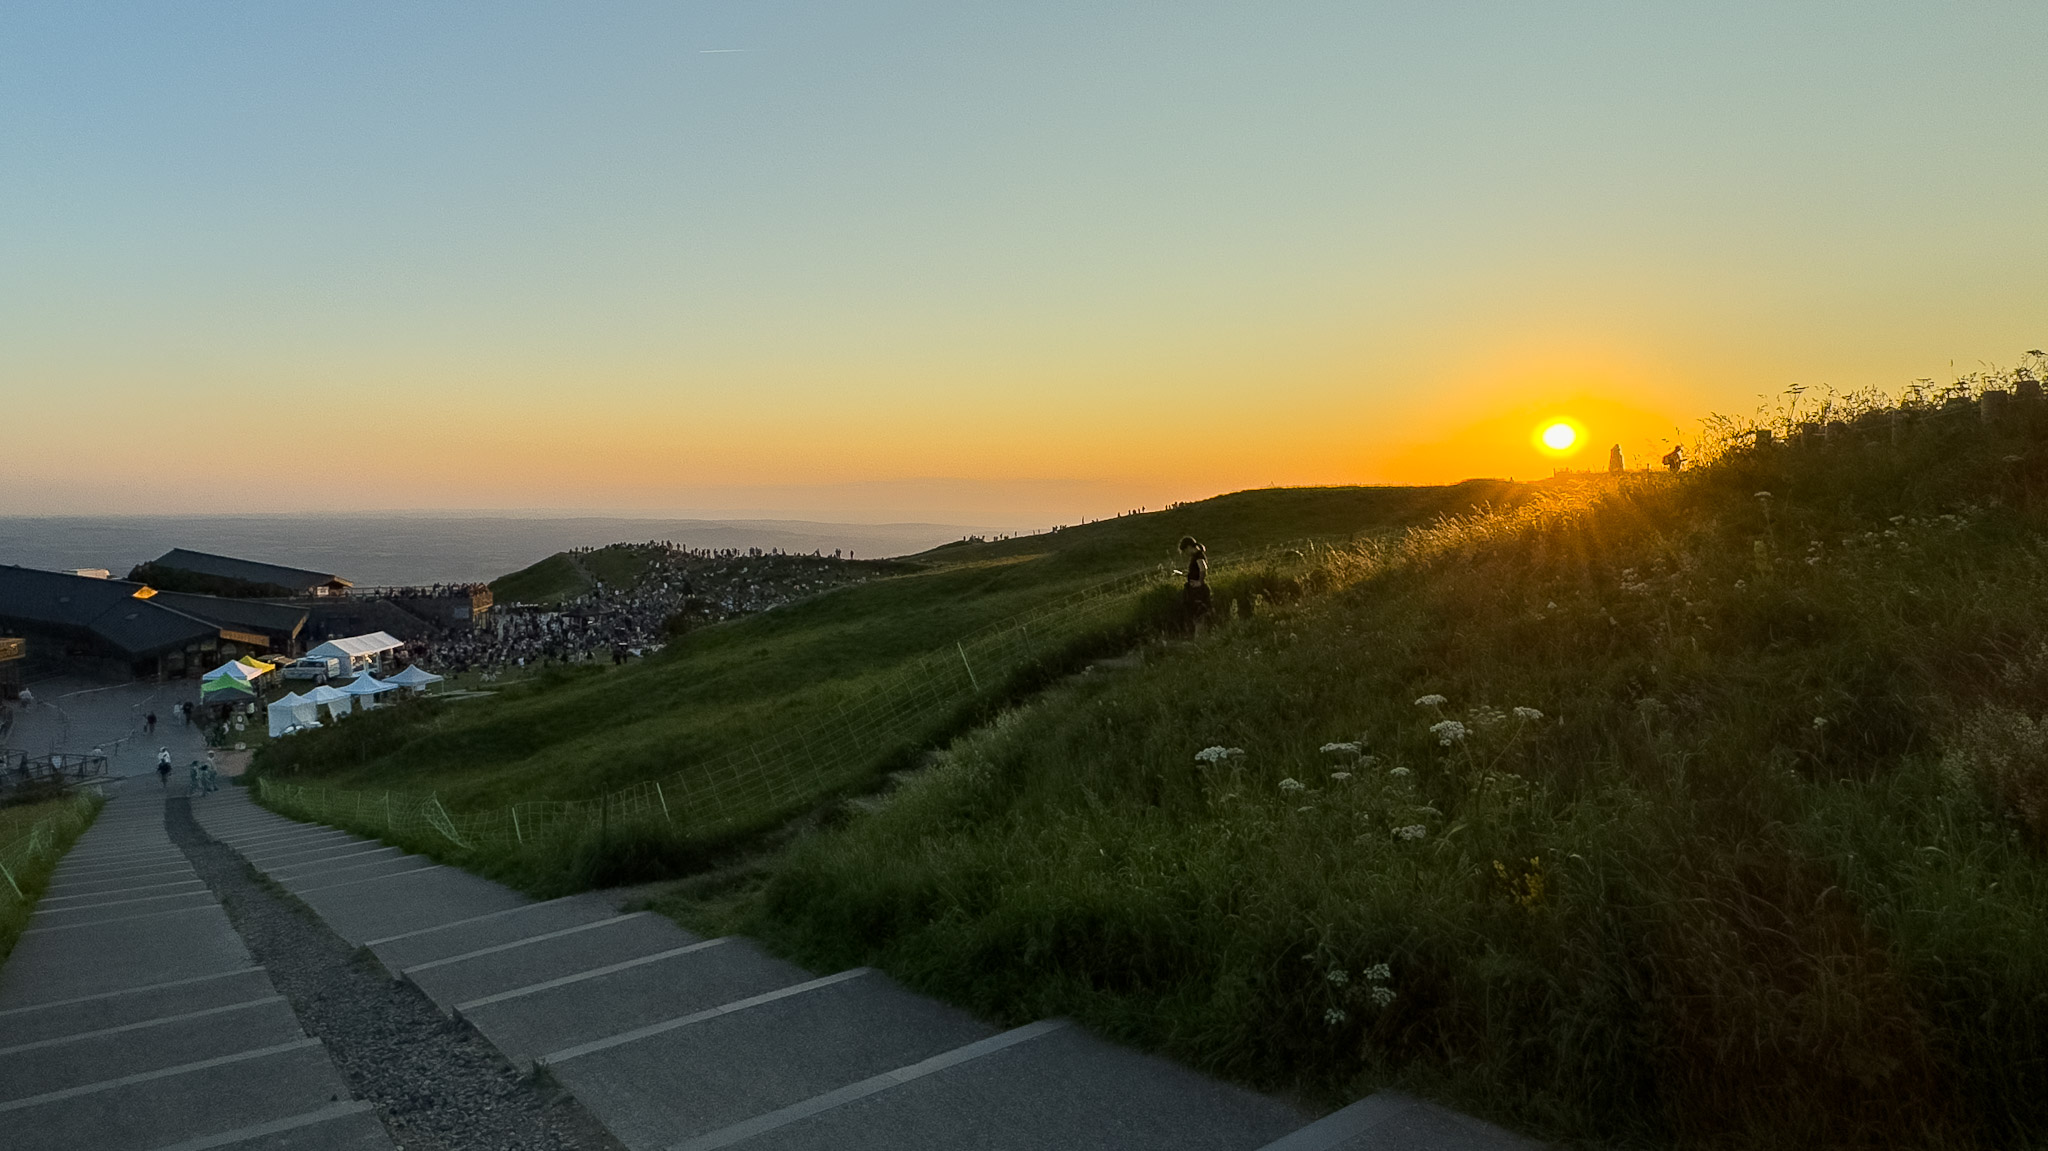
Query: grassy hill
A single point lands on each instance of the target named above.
(721, 690)
(1703, 812)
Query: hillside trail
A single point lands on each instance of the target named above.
(677, 1042)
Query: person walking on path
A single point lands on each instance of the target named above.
(163, 767)
(149, 723)
(193, 784)
(1195, 597)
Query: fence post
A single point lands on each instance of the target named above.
(664, 802)
(387, 811)
(968, 666)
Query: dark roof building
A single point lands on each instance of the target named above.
(296, 581)
(130, 624)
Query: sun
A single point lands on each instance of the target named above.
(1560, 436)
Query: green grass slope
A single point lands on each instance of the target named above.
(1666, 813)
(552, 580)
(576, 733)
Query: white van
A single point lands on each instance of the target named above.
(319, 669)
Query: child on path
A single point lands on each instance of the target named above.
(163, 767)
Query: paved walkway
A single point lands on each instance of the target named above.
(676, 1042)
(77, 715)
(132, 1018)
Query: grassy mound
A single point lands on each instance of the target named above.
(1706, 811)
(574, 733)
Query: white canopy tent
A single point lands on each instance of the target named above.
(337, 701)
(357, 652)
(290, 712)
(235, 668)
(415, 677)
(366, 688)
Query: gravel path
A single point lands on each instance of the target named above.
(438, 1084)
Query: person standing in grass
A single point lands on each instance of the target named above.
(1195, 595)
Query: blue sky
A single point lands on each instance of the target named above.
(785, 257)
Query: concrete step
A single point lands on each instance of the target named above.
(549, 955)
(400, 902)
(115, 904)
(1391, 1121)
(132, 1005)
(397, 952)
(37, 1068)
(527, 1023)
(76, 866)
(115, 871)
(335, 1127)
(83, 891)
(1046, 1087)
(300, 853)
(681, 1078)
(64, 962)
(343, 871)
(172, 1105)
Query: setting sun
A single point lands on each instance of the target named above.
(1560, 437)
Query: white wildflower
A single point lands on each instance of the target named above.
(1340, 775)
(1292, 784)
(1411, 832)
(1378, 973)
(1342, 748)
(1431, 701)
(1217, 754)
(1528, 714)
(1399, 772)
(1819, 721)
(1338, 976)
(1448, 732)
(1334, 1016)
(1381, 996)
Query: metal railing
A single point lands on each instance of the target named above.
(19, 770)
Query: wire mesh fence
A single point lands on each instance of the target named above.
(779, 773)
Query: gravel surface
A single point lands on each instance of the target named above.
(437, 1083)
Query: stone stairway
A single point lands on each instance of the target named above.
(132, 1018)
(676, 1042)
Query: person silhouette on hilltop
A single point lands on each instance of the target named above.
(1675, 458)
(1614, 464)
(1195, 595)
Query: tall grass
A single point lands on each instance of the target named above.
(1654, 813)
(33, 840)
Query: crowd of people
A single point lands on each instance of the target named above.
(676, 588)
